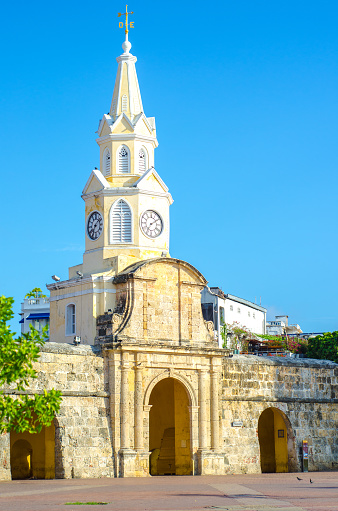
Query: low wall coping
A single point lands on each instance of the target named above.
(70, 349)
(282, 361)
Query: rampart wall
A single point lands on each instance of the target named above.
(304, 391)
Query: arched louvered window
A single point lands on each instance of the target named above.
(106, 162)
(123, 160)
(120, 223)
(124, 103)
(142, 161)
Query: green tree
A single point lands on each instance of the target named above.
(24, 412)
(324, 347)
(35, 293)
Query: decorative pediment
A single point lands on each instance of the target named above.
(105, 125)
(95, 183)
(151, 182)
(142, 125)
(122, 125)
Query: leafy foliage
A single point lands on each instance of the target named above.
(238, 334)
(25, 412)
(35, 293)
(324, 347)
(292, 344)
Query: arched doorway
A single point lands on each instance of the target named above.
(169, 429)
(33, 455)
(273, 432)
(21, 459)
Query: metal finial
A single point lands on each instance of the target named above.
(126, 45)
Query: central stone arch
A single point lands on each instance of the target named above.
(171, 374)
(169, 399)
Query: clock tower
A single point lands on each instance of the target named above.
(126, 201)
(126, 211)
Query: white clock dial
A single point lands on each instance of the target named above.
(94, 225)
(151, 223)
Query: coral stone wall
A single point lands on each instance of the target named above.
(83, 429)
(107, 395)
(5, 463)
(83, 444)
(304, 390)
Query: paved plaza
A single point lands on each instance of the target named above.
(264, 492)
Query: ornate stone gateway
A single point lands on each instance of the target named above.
(165, 369)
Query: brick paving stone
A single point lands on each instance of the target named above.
(265, 492)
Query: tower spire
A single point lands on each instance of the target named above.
(126, 96)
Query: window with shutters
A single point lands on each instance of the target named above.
(221, 316)
(124, 103)
(106, 162)
(70, 319)
(120, 223)
(142, 161)
(123, 160)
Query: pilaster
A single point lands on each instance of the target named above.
(138, 413)
(214, 411)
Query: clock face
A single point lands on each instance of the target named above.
(151, 223)
(94, 225)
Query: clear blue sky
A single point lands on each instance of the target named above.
(245, 99)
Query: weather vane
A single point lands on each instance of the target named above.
(131, 24)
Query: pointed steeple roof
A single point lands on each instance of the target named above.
(126, 96)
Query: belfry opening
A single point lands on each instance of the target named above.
(273, 441)
(169, 429)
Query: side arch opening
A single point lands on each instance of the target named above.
(33, 455)
(276, 442)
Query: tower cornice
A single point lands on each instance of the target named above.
(124, 191)
(126, 57)
(128, 136)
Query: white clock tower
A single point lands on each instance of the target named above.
(126, 210)
(127, 203)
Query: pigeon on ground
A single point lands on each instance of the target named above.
(311, 481)
(299, 479)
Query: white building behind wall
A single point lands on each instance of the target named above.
(280, 326)
(35, 312)
(225, 308)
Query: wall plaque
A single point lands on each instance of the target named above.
(237, 424)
